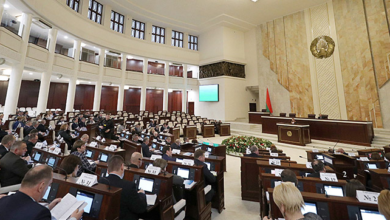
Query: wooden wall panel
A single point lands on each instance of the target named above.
(84, 97)
(134, 65)
(109, 98)
(154, 100)
(156, 68)
(57, 95)
(174, 101)
(28, 95)
(132, 100)
(176, 71)
(3, 91)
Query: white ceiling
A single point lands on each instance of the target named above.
(197, 16)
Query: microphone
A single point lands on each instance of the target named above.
(335, 145)
(66, 174)
(103, 177)
(303, 157)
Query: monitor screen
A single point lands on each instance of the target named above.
(127, 136)
(209, 93)
(86, 197)
(161, 137)
(154, 146)
(122, 135)
(179, 160)
(372, 166)
(209, 149)
(206, 143)
(37, 156)
(371, 214)
(161, 148)
(103, 157)
(142, 136)
(146, 184)
(183, 172)
(334, 190)
(309, 207)
(51, 161)
(88, 153)
(208, 165)
(46, 193)
(320, 157)
(369, 155)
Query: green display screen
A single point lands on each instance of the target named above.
(209, 93)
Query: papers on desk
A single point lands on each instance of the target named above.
(151, 199)
(214, 173)
(188, 154)
(87, 179)
(66, 207)
(188, 184)
(93, 144)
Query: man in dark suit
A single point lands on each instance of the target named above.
(167, 154)
(107, 127)
(24, 203)
(137, 129)
(318, 167)
(32, 140)
(164, 128)
(133, 202)
(3, 133)
(6, 144)
(254, 152)
(176, 145)
(145, 148)
(136, 160)
(41, 127)
(13, 168)
(208, 176)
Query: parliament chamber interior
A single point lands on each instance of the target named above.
(195, 110)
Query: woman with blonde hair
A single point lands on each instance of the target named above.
(290, 202)
(383, 203)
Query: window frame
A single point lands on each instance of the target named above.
(92, 11)
(72, 4)
(119, 24)
(193, 45)
(177, 41)
(135, 29)
(160, 36)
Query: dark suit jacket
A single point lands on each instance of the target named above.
(175, 146)
(67, 138)
(168, 158)
(132, 203)
(133, 166)
(13, 169)
(208, 176)
(2, 134)
(3, 151)
(314, 175)
(252, 155)
(27, 130)
(145, 150)
(41, 128)
(30, 146)
(20, 206)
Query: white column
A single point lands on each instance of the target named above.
(143, 89)
(107, 16)
(12, 98)
(165, 100)
(148, 32)
(72, 80)
(128, 24)
(84, 8)
(122, 85)
(98, 86)
(184, 93)
(46, 75)
(185, 40)
(1, 7)
(168, 36)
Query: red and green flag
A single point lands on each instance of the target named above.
(268, 104)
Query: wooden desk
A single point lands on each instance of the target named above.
(350, 132)
(108, 142)
(294, 134)
(380, 179)
(46, 155)
(329, 208)
(190, 131)
(175, 132)
(256, 117)
(313, 155)
(224, 129)
(208, 131)
(110, 198)
(344, 165)
(130, 147)
(387, 149)
(97, 151)
(368, 152)
(362, 169)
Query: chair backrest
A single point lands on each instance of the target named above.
(292, 115)
(311, 115)
(324, 116)
(282, 114)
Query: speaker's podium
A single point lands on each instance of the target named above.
(294, 134)
(208, 131)
(190, 131)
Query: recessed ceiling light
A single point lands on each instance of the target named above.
(30, 73)
(83, 44)
(89, 82)
(6, 6)
(66, 37)
(3, 78)
(254, 0)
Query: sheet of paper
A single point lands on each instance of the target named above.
(151, 199)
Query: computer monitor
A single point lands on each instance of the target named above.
(161, 137)
(146, 184)
(161, 148)
(206, 143)
(154, 146)
(142, 136)
(51, 161)
(122, 135)
(86, 197)
(179, 160)
(208, 165)
(103, 157)
(309, 207)
(371, 166)
(320, 157)
(371, 214)
(334, 190)
(46, 194)
(183, 172)
(88, 153)
(369, 155)
(209, 149)
(37, 156)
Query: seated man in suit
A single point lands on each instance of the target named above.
(341, 151)
(254, 152)
(208, 176)
(135, 139)
(177, 181)
(6, 144)
(137, 130)
(318, 167)
(146, 149)
(168, 141)
(18, 123)
(176, 145)
(288, 175)
(27, 126)
(156, 137)
(13, 167)
(41, 127)
(24, 203)
(136, 160)
(164, 128)
(32, 140)
(82, 123)
(85, 138)
(27, 130)
(167, 154)
(133, 202)
(61, 121)
(79, 149)
(75, 124)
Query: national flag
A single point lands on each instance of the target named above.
(268, 104)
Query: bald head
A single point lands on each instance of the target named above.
(36, 181)
(136, 158)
